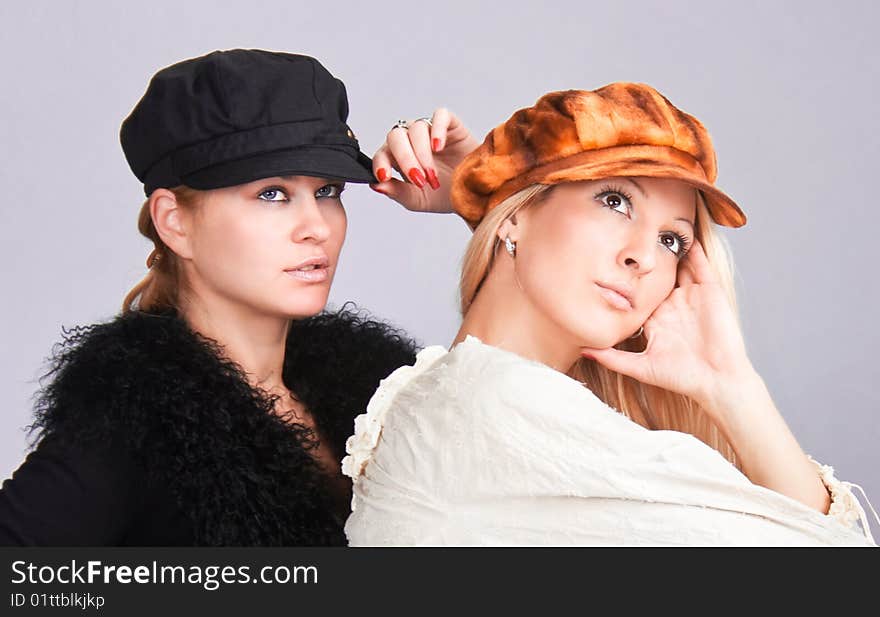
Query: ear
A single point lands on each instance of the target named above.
(172, 222)
(509, 229)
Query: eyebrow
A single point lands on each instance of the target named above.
(642, 191)
(637, 185)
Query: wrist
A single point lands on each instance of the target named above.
(735, 395)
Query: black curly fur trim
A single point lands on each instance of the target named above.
(185, 413)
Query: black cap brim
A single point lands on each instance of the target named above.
(315, 161)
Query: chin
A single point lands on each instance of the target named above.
(598, 342)
(596, 333)
(303, 310)
(303, 305)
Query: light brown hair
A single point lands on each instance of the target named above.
(162, 287)
(661, 409)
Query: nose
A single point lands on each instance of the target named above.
(639, 252)
(310, 224)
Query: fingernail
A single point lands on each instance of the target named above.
(377, 189)
(435, 144)
(382, 174)
(432, 179)
(417, 178)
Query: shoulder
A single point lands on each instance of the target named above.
(334, 362)
(111, 345)
(352, 335)
(346, 345)
(481, 389)
(102, 375)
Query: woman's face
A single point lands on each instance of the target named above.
(270, 245)
(597, 257)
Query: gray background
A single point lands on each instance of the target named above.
(788, 90)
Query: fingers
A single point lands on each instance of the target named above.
(697, 264)
(387, 185)
(685, 275)
(624, 362)
(402, 153)
(409, 195)
(441, 126)
(419, 134)
(410, 152)
(382, 164)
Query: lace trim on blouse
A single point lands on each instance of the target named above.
(845, 506)
(368, 426)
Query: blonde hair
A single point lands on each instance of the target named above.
(161, 289)
(661, 409)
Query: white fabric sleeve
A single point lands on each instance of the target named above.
(845, 507)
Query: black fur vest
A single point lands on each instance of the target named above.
(240, 474)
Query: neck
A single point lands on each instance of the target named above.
(255, 341)
(503, 316)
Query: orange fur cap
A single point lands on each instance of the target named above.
(622, 129)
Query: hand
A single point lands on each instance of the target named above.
(425, 156)
(695, 346)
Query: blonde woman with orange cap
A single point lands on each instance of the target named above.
(599, 390)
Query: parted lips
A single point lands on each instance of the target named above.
(622, 129)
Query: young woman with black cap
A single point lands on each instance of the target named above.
(214, 409)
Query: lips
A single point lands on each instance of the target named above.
(314, 269)
(618, 295)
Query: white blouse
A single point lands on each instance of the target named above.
(479, 446)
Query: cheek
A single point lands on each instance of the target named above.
(558, 266)
(657, 290)
(568, 250)
(219, 239)
(337, 221)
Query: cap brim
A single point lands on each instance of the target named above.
(723, 209)
(315, 161)
(655, 162)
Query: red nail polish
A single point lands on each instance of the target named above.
(432, 179)
(417, 178)
(435, 144)
(382, 174)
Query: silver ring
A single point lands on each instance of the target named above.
(400, 124)
(425, 120)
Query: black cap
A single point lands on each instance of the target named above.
(235, 116)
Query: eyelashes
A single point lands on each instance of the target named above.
(609, 194)
(277, 194)
(619, 200)
(683, 241)
(273, 194)
(334, 189)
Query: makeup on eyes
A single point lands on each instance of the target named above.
(275, 191)
(611, 191)
(339, 187)
(609, 194)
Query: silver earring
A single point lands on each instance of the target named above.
(639, 333)
(510, 246)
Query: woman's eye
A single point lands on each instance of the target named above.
(273, 195)
(329, 191)
(616, 201)
(674, 243)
